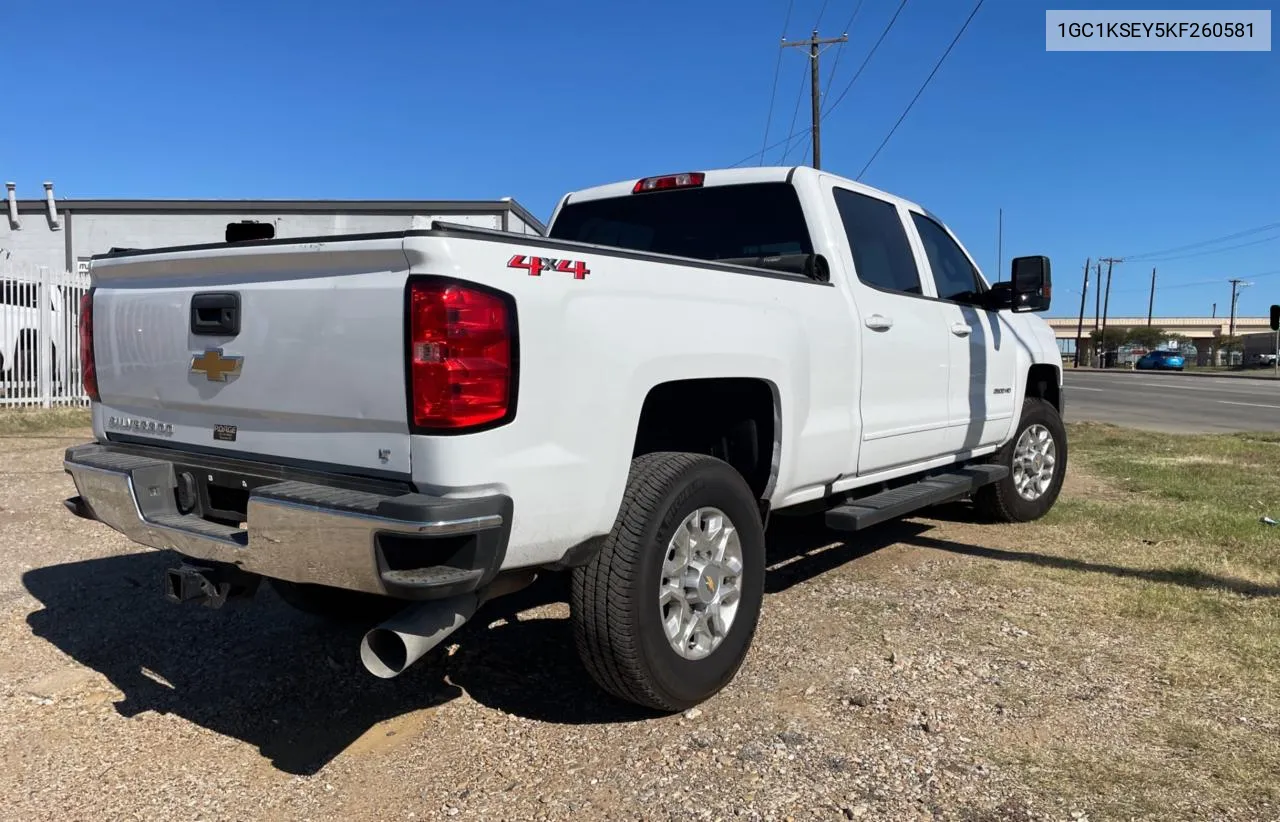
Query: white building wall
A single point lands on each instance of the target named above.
(82, 234)
(97, 233)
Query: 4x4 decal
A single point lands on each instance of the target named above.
(536, 265)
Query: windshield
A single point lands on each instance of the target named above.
(715, 223)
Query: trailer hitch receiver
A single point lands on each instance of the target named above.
(210, 586)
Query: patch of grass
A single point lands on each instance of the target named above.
(1211, 490)
(1158, 564)
(42, 420)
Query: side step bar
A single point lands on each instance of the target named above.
(897, 502)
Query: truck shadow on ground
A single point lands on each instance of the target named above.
(1184, 577)
(292, 685)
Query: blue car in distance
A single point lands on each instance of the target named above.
(1161, 361)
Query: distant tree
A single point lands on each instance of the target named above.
(1115, 337)
(1229, 343)
(1147, 336)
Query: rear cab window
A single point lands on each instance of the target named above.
(730, 223)
(18, 293)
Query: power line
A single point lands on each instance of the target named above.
(1202, 243)
(1204, 253)
(867, 59)
(923, 86)
(777, 68)
(1198, 283)
(794, 115)
(821, 12)
(840, 52)
(754, 154)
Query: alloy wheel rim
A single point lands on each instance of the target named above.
(701, 586)
(1035, 458)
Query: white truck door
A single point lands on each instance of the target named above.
(903, 401)
(982, 346)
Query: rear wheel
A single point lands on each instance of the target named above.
(24, 361)
(1036, 457)
(664, 614)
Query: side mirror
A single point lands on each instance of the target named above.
(999, 297)
(1032, 284)
(1275, 318)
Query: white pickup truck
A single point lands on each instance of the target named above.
(429, 418)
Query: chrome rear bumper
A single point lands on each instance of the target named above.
(406, 545)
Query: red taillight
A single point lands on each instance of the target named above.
(88, 369)
(691, 180)
(460, 356)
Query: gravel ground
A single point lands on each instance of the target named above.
(875, 688)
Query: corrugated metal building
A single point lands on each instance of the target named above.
(64, 234)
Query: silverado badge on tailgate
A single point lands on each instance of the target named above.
(214, 366)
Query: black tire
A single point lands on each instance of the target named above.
(25, 364)
(1001, 501)
(614, 598)
(337, 604)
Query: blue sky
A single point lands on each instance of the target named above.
(1089, 154)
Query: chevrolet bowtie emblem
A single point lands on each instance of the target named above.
(711, 584)
(214, 366)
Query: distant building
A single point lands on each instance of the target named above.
(1202, 334)
(64, 234)
(1259, 349)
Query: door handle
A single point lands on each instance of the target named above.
(961, 329)
(878, 322)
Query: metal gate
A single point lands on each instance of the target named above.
(39, 335)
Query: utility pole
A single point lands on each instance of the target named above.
(1097, 296)
(1106, 303)
(1000, 246)
(1097, 306)
(813, 43)
(1080, 325)
(1235, 286)
(1151, 303)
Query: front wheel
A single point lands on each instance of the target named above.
(1036, 457)
(664, 614)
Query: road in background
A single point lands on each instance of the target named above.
(1173, 402)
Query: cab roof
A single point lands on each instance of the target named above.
(739, 176)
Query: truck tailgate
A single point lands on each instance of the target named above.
(314, 372)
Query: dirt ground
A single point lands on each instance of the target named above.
(910, 676)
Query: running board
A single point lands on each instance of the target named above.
(897, 502)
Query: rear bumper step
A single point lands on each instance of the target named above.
(898, 502)
(411, 546)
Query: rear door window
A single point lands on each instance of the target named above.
(878, 242)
